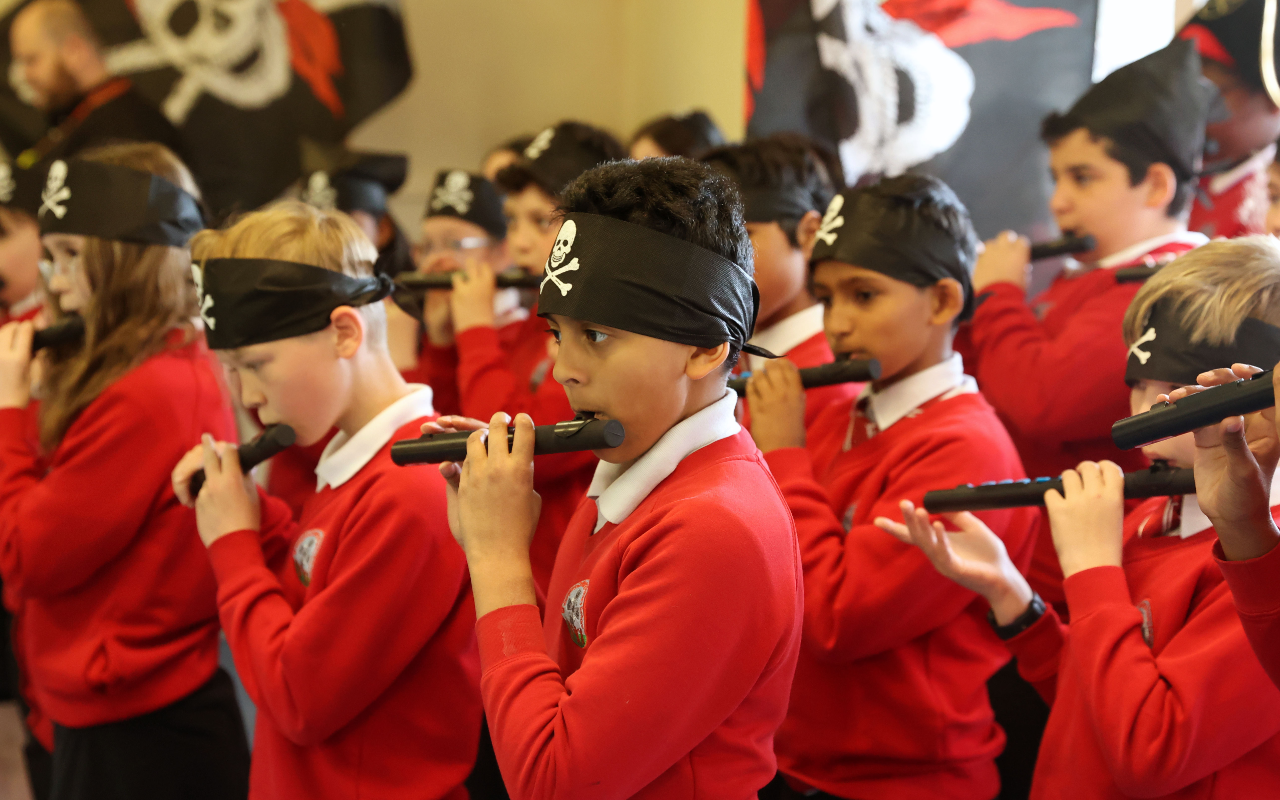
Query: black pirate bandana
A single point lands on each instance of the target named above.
(116, 203)
(1164, 351)
(555, 158)
(469, 197)
(1159, 105)
(245, 301)
(633, 278)
(358, 182)
(787, 201)
(867, 228)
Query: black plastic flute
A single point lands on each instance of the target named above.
(272, 440)
(1157, 481)
(850, 371)
(573, 436)
(1166, 420)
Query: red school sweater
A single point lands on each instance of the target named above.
(1153, 687)
(510, 370)
(890, 692)
(673, 671)
(814, 352)
(1054, 371)
(352, 631)
(117, 599)
(1255, 586)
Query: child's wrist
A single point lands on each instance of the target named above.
(498, 581)
(1243, 541)
(1009, 600)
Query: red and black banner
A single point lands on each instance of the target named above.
(245, 81)
(956, 88)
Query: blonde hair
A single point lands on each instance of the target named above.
(1213, 289)
(139, 294)
(290, 230)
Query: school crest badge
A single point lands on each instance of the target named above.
(304, 554)
(572, 610)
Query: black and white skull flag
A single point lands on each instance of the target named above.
(244, 80)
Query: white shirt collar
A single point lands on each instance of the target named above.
(26, 304)
(898, 400)
(618, 493)
(1258, 161)
(345, 456)
(1134, 252)
(785, 335)
(1194, 520)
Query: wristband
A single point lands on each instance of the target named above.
(1035, 610)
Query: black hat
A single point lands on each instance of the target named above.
(559, 154)
(1158, 104)
(1233, 32)
(1165, 351)
(470, 197)
(349, 181)
(113, 202)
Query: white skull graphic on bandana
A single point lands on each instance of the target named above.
(831, 221)
(454, 193)
(559, 252)
(1137, 351)
(56, 192)
(206, 302)
(320, 192)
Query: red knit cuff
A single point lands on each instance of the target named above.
(1255, 584)
(234, 553)
(508, 632)
(1038, 647)
(446, 354)
(13, 422)
(474, 341)
(788, 462)
(1091, 589)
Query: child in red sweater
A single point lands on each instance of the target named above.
(1154, 690)
(1124, 161)
(117, 624)
(673, 621)
(351, 628)
(785, 188)
(508, 368)
(889, 698)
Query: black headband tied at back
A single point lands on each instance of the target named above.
(636, 279)
(246, 301)
(1165, 352)
(887, 233)
(116, 203)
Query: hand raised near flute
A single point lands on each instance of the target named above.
(1004, 259)
(972, 556)
(228, 501)
(775, 396)
(493, 509)
(1235, 463)
(471, 301)
(15, 364)
(1087, 517)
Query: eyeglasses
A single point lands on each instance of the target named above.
(428, 248)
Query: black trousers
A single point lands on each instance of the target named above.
(194, 749)
(779, 789)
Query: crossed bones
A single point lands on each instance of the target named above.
(827, 233)
(56, 193)
(1143, 355)
(554, 277)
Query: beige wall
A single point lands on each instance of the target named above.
(487, 70)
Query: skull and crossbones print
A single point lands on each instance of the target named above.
(1137, 351)
(455, 192)
(564, 243)
(206, 301)
(320, 192)
(831, 221)
(56, 192)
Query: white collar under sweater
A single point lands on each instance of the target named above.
(785, 335)
(1194, 520)
(617, 493)
(1134, 252)
(345, 456)
(898, 400)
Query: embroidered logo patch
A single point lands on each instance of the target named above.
(304, 553)
(564, 243)
(572, 612)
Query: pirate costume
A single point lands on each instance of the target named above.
(677, 584)
(1238, 35)
(1160, 629)
(509, 368)
(893, 659)
(353, 626)
(1049, 366)
(128, 674)
(780, 197)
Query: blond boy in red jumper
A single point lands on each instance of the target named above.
(1154, 689)
(673, 622)
(352, 628)
(890, 697)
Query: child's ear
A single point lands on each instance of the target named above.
(807, 232)
(348, 331)
(1161, 184)
(948, 301)
(705, 360)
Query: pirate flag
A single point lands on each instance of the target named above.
(1243, 36)
(243, 81)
